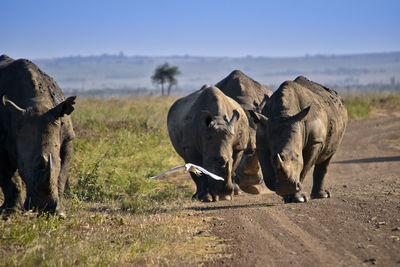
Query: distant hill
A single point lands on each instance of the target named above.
(375, 71)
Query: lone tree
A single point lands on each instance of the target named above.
(165, 74)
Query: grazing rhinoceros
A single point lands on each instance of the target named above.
(209, 129)
(251, 95)
(35, 137)
(302, 126)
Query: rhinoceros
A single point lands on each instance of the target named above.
(301, 127)
(35, 137)
(209, 129)
(251, 95)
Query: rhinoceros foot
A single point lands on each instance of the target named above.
(206, 198)
(321, 194)
(195, 196)
(251, 189)
(225, 197)
(10, 208)
(201, 197)
(236, 189)
(5, 212)
(295, 198)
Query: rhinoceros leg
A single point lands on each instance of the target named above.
(309, 157)
(202, 193)
(196, 180)
(298, 197)
(201, 182)
(248, 175)
(11, 185)
(65, 155)
(320, 171)
(237, 157)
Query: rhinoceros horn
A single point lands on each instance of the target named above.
(12, 106)
(50, 163)
(281, 164)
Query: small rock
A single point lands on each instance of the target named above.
(395, 238)
(396, 228)
(381, 223)
(200, 232)
(371, 260)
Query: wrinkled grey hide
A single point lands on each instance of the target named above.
(251, 95)
(209, 129)
(35, 137)
(301, 127)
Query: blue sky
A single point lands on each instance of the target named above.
(43, 29)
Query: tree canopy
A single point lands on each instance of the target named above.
(165, 74)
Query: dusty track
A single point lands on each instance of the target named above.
(359, 225)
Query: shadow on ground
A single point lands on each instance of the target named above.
(255, 205)
(368, 160)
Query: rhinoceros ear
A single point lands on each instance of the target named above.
(231, 123)
(235, 117)
(301, 115)
(12, 107)
(204, 86)
(65, 107)
(207, 118)
(258, 117)
(263, 103)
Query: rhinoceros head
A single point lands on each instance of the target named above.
(37, 141)
(217, 149)
(279, 147)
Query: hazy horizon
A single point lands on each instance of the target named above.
(121, 53)
(48, 29)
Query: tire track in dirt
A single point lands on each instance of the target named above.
(356, 227)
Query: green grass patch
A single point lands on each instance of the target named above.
(119, 145)
(361, 105)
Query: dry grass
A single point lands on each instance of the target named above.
(115, 215)
(361, 105)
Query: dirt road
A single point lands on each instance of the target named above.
(359, 225)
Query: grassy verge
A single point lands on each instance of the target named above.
(92, 237)
(115, 214)
(119, 144)
(360, 105)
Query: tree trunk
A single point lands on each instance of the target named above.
(169, 88)
(162, 89)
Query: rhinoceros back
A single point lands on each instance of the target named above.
(243, 89)
(21, 80)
